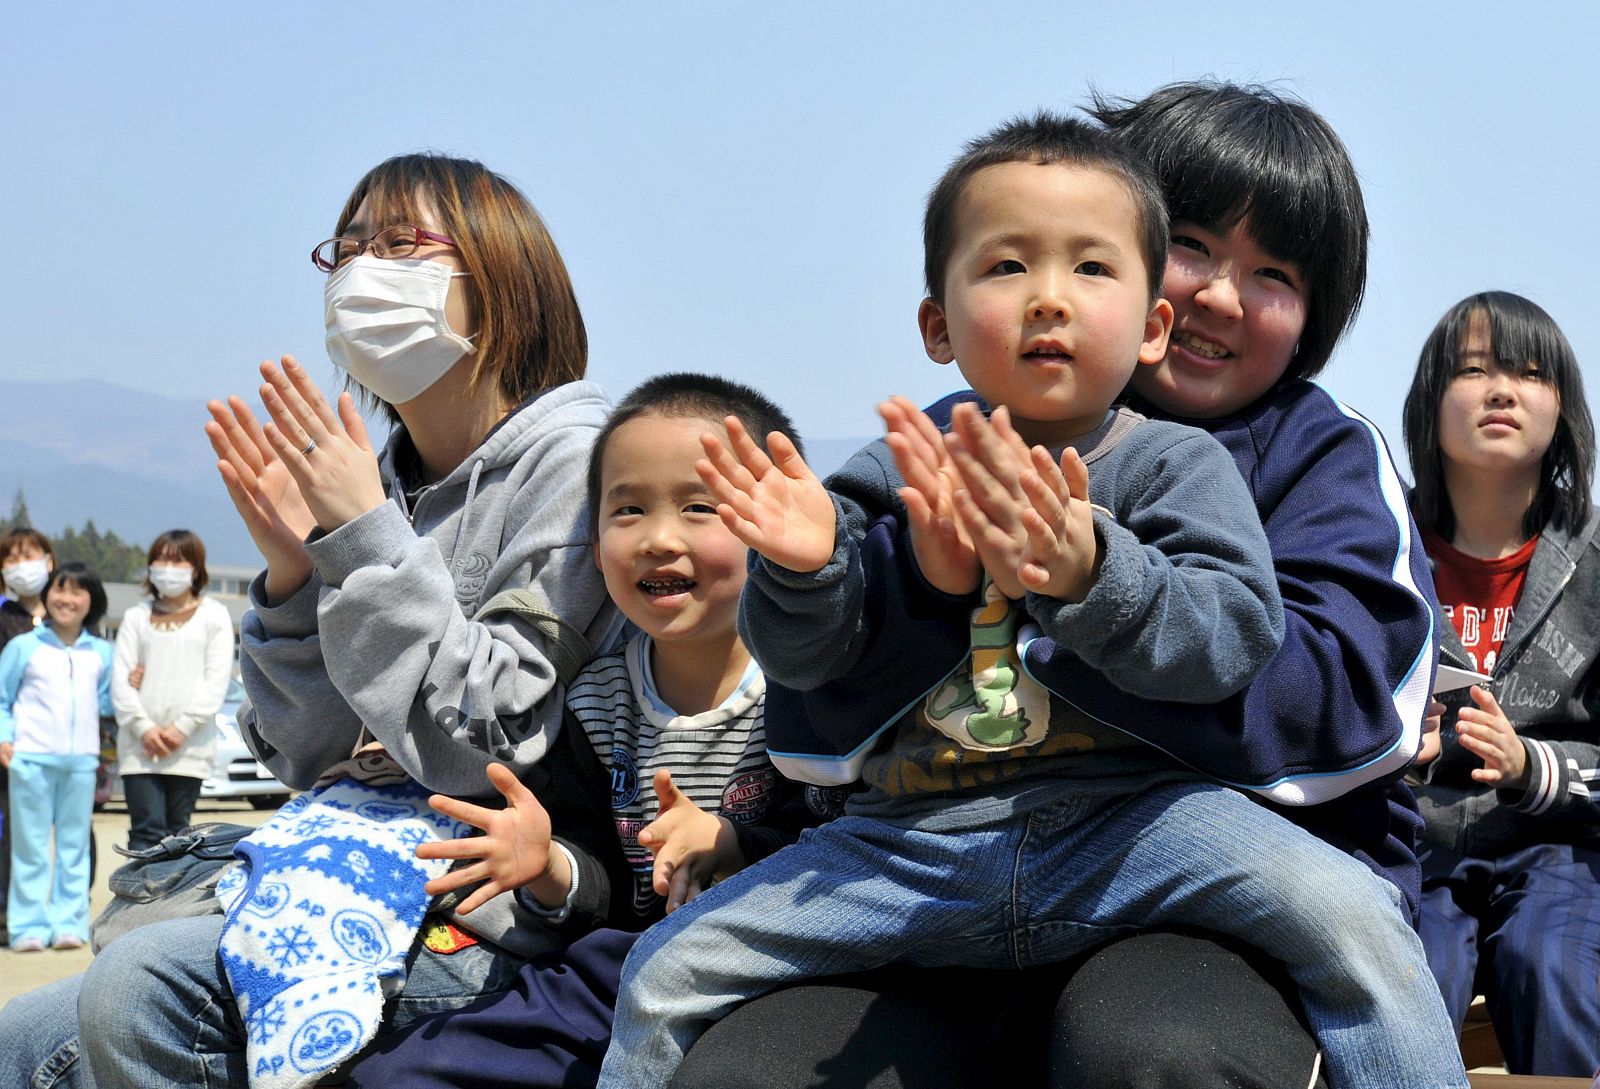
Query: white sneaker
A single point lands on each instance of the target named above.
(28, 945)
(68, 941)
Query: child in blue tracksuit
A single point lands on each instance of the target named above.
(55, 684)
(1002, 635)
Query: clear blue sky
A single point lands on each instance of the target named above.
(736, 187)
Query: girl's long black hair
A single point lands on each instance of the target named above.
(1520, 332)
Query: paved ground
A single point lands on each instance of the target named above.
(25, 971)
(21, 972)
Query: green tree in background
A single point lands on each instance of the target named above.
(107, 555)
(20, 519)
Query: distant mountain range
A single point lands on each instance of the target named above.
(135, 462)
(139, 463)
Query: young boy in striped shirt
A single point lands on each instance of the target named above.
(673, 717)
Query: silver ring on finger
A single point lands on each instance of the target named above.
(310, 446)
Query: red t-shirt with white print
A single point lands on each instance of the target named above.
(1479, 596)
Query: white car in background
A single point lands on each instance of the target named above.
(238, 774)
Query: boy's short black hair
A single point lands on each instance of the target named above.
(1044, 138)
(1224, 153)
(693, 396)
(1520, 332)
(79, 576)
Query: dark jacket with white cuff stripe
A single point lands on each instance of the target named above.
(1547, 682)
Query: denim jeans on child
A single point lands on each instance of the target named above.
(159, 1013)
(858, 893)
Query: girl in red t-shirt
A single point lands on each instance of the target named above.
(1502, 446)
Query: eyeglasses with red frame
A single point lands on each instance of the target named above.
(401, 240)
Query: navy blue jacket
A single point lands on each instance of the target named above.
(1340, 706)
(1325, 731)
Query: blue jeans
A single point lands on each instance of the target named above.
(158, 806)
(859, 893)
(161, 1012)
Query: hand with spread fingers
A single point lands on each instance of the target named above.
(515, 847)
(328, 454)
(943, 551)
(1484, 731)
(989, 459)
(775, 505)
(691, 848)
(264, 493)
(1062, 554)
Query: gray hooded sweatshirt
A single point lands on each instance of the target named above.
(442, 627)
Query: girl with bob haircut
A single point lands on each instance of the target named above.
(1227, 155)
(1266, 269)
(424, 603)
(173, 549)
(1502, 445)
(174, 659)
(54, 688)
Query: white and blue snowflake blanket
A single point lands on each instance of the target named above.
(321, 912)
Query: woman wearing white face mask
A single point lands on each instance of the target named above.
(170, 676)
(26, 560)
(430, 598)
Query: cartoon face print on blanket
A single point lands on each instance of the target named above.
(322, 910)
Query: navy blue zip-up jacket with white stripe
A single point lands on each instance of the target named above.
(1334, 720)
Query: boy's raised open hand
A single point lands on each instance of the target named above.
(940, 543)
(1062, 553)
(1484, 731)
(691, 847)
(775, 505)
(990, 459)
(514, 848)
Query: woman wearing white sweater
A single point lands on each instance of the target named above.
(169, 677)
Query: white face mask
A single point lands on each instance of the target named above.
(26, 578)
(386, 324)
(171, 581)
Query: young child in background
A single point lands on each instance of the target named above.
(674, 719)
(174, 658)
(55, 684)
(960, 611)
(1502, 445)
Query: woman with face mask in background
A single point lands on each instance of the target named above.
(170, 675)
(424, 601)
(26, 560)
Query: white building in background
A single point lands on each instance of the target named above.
(230, 585)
